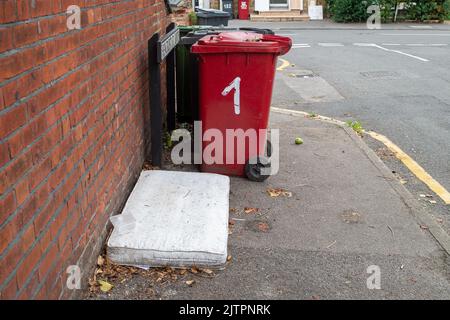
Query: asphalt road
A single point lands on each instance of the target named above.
(394, 81)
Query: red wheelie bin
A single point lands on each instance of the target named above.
(236, 76)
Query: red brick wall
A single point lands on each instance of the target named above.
(181, 16)
(73, 108)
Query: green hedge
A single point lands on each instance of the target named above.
(418, 10)
(421, 10)
(348, 10)
(447, 9)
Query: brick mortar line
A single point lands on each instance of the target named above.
(45, 180)
(38, 19)
(68, 154)
(97, 245)
(127, 92)
(126, 186)
(107, 207)
(66, 75)
(49, 15)
(59, 185)
(73, 211)
(107, 212)
(29, 146)
(64, 202)
(60, 79)
(61, 36)
(109, 96)
(49, 86)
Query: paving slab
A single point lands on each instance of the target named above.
(340, 216)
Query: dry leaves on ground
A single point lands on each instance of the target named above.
(263, 226)
(190, 282)
(194, 270)
(149, 166)
(277, 192)
(105, 286)
(351, 216)
(249, 210)
(108, 274)
(207, 271)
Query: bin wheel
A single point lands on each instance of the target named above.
(253, 169)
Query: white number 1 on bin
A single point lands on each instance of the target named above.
(236, 85)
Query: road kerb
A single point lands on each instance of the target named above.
(413, 166)
(421, 216)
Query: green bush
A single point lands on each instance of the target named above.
(447, 9)
(419, 10)
(387, 9)
(356, 10)
(193, 18)
(349, 10)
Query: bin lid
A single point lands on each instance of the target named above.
(211, 13)
(193, 36)
(242, 42)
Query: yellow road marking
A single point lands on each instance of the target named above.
(284, 64)
(412, 165)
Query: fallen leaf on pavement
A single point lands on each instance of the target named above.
(148, 166)
(207, 271)
(423, 227)
(194, 270)
(190, 282)
(351, 216)
(278, 192)
(92, 284)
(263, 226)
(100, 261)
(229, 258)
(183, 271)
(249, 210)
(105, 286)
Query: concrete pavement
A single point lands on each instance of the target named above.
(395, 82)
(344, 216)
